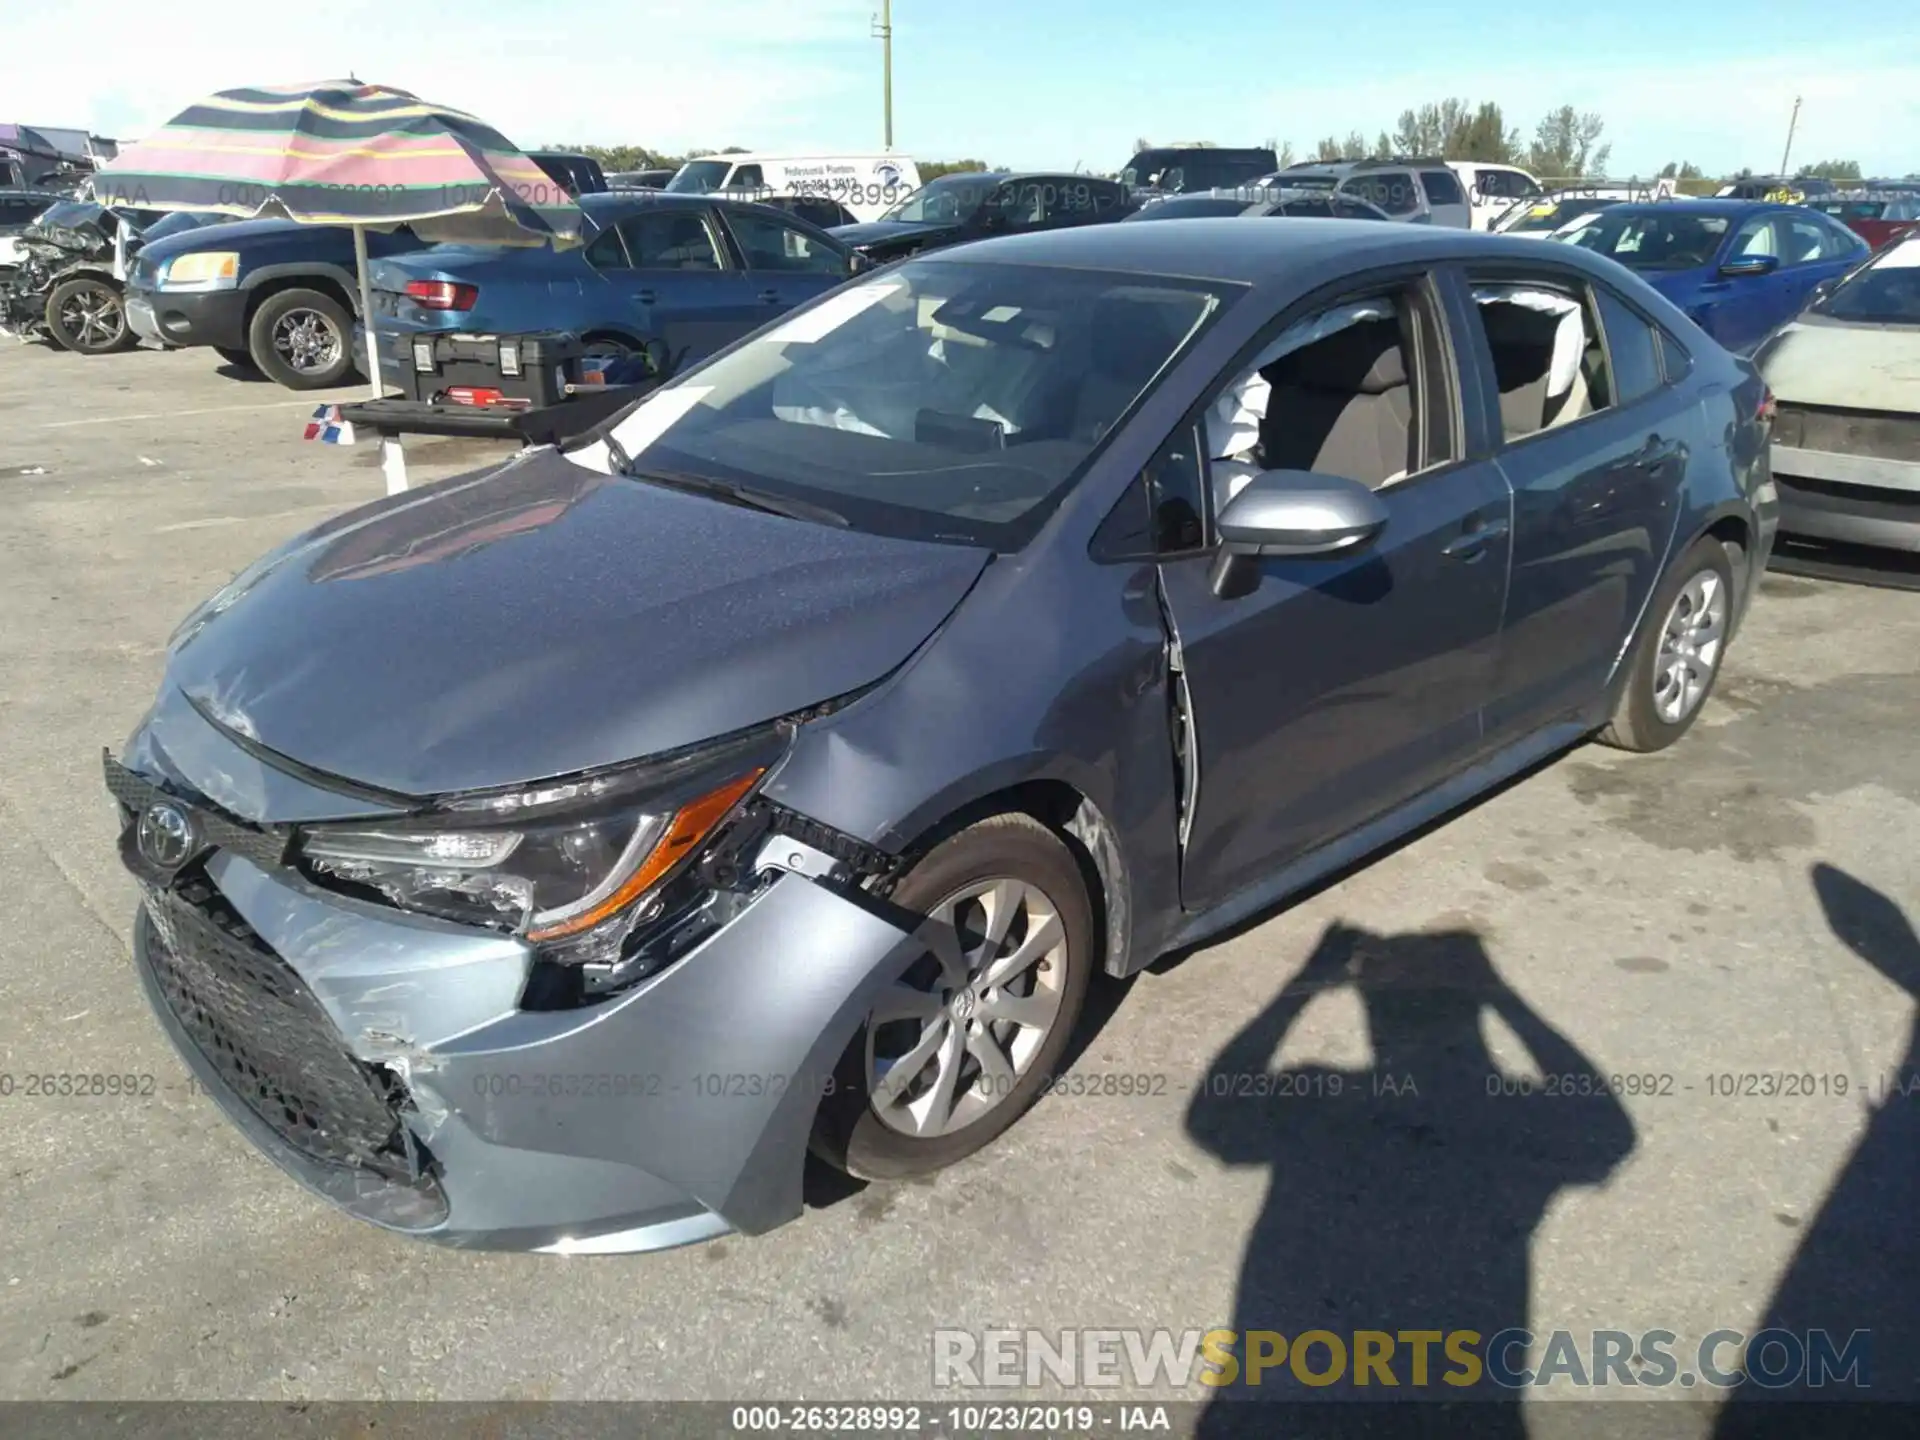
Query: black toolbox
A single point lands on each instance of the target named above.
(531, 369)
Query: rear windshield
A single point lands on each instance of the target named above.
(697, 177)
(1188, 207)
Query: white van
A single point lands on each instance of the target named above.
(866, 185)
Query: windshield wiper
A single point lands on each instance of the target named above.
(744, 496)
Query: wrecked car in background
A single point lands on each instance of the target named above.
(69, 282)
(1846, 375)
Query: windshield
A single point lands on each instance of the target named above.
(1649, 239)
(1887, 292)
(697, 177)
(945, 401)
(947, 201)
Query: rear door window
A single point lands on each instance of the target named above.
(771, 244)
(1392, 190)
(665, 240)
(1442, 187)
(1631, 347)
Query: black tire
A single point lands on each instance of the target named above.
(239, 359)
(88, 315)
(848, 1132)
(293, 308)
(1637, 723)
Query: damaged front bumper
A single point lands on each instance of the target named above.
(385, 1061)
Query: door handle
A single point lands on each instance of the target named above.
(1472, 542)
(646, 297)
(1655, 453)
(770, 297)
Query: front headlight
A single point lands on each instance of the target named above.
(201, 270)
(574, 866)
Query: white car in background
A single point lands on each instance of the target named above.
(866, 186)
(1845, 377)
(1492, 190)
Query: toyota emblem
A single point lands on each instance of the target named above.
(167, 836)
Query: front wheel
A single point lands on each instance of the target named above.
(88, 315)
(303, 339)
(963, 1043)
(1678, 654)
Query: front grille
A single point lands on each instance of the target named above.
(265, 1031)
(265, 848)
(1875, 433)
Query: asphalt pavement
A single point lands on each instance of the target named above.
(1727, 909)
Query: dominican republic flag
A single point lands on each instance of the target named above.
(328, 428)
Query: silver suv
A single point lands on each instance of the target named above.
(1414, 188)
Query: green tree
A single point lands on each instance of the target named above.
(1328, 149)
(1831, 170)
(1566, 146)
(934, 169)
(1681, 170)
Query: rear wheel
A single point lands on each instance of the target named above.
(957, 1049)
(1678, 655)
(303, 339)
(88, 315)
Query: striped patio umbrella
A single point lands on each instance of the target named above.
(340, 152)
(343, 153)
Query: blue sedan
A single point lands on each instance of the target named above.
(1739, 268)
(693, 272)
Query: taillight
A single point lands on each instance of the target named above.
(1767, 408)
(442, 294)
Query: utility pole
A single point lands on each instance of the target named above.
(1785, 173)
(883, 32)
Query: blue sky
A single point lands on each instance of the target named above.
(1019, 82)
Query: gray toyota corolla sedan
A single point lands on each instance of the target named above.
(549, 858)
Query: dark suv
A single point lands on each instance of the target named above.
(1176, 170)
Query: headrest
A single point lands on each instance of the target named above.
(1364, 358)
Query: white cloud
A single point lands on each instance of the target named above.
(667, 75)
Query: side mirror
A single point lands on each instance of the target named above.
(1301, 513)
(658, 356)
(1825, 288)
(1751, 265)
(858, 263)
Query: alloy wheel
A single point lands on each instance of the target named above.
(952, 1038)
(1691, 643)
(91, 316)
(307, 340)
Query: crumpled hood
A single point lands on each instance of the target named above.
(1821, 361)
(544, 618)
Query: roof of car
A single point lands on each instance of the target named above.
(1708, 206)
(1229, 249)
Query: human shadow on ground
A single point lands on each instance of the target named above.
(1404, 1195)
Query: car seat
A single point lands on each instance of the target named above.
(1342, 406)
